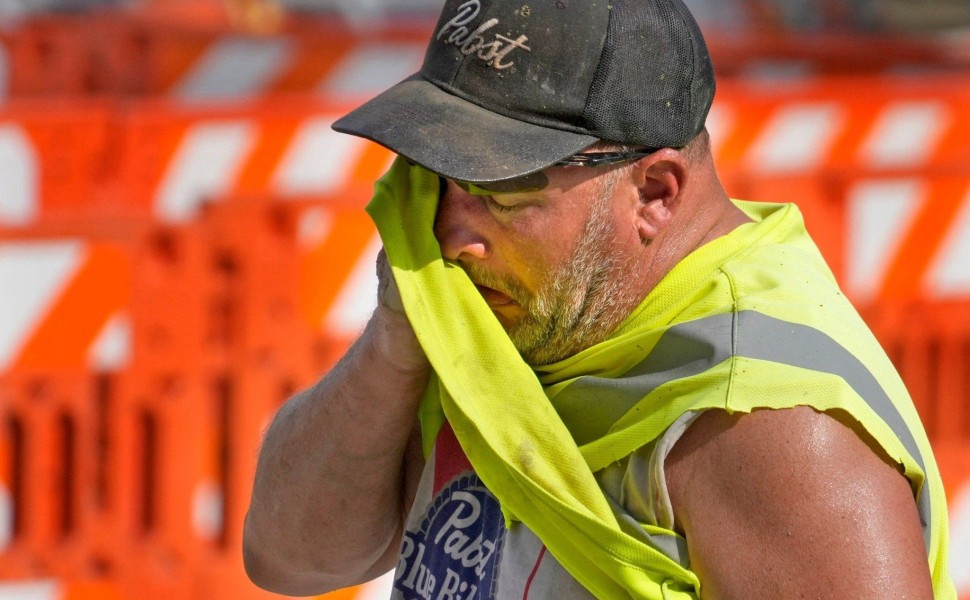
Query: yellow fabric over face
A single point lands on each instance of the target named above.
(500, 413)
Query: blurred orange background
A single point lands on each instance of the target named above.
(183, 245)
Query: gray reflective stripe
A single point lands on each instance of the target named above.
(691, 348)
(683, 351)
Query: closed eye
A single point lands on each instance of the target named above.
(502, 208)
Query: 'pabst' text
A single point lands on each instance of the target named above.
(454, 553)
(458, 32)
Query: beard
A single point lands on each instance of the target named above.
(577, 306)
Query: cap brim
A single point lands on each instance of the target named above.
(456, 138)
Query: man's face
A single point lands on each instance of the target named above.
(551, 264)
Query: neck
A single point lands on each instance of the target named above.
(705, 213)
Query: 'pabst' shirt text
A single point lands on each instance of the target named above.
(456, 545)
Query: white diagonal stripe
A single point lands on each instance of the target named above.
(205, 166)
(370, 68)
(318, 160)
(7, 516)
(314, 227)
(905, 135)
(879, 214)
(357, 298)
(19, 176)
(949, 274)
(41, 589)
(235, 68)
(797, 138)
(960, 539)
(111, 349)
(32, 276)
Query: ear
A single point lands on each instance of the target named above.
(661, 178)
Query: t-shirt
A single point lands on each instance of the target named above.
(456, 545)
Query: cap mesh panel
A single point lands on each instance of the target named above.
(648, 104)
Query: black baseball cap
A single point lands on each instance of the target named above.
(509, 87)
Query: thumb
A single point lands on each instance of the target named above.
(388, 294)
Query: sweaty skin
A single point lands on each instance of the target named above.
(793, 504)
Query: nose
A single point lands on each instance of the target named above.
(460, 225)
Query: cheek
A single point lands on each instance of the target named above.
(554, 255)
(534, 248)
(627, 235)
(622, 229)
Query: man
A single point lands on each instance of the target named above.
(590, 373)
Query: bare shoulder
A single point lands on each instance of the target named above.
(780, 503)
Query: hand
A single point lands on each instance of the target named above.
(395, 340)
(387, 293)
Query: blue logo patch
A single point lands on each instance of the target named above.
(454, 555)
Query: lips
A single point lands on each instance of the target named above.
(494, 297)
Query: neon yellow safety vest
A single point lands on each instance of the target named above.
(737, 325)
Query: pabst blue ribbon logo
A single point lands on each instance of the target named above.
(454, 554)
(458, 31)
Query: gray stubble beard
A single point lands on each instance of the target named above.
(582, 303)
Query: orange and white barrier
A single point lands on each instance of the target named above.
(52, 159)
(18, 175)
(233, 68)
(63, 305)
(173, 162)
(754, 135)
(52, 589)
(907, 237)
(187, 52)
(960, 538)
(338, 281)
(856, 126)
(884, 170)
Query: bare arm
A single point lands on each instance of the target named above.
(793, 504)
(339, 465)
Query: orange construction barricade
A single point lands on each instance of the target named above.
(54, 158)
